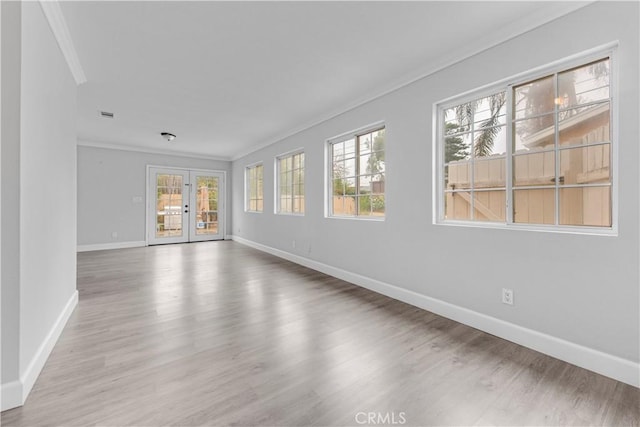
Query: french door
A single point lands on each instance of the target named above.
(184, 205)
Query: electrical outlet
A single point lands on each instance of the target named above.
(136, 199)
(114, 235)
(293, 244)
(507, 296)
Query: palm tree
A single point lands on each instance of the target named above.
(485, 136)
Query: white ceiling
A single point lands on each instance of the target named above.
(229, 77)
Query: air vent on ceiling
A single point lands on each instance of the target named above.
(106, 114)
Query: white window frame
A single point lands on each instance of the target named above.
(583, 58)
(276, 180)
(247, 193)
(353, 134)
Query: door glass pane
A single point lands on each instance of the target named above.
(206, 205)
(169, 205)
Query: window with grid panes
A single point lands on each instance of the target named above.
(254, 188)
(357, 187)
(290, 183)
(538, 152)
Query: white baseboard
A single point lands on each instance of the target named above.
(10, 395)
(15, 393)
(107, 246)
(605, 364)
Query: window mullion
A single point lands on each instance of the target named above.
(509, 157)
(473, 164)
(357, 154)
(557, 148)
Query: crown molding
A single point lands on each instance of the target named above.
(58, 24)
(137, 149)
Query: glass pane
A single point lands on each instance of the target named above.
(260, 188)
(588, 165)
(339, 169)
(490, 111)
(534, 98)
(457, 147)
(364, 183)
(168, 205)
(338, 150)
(379, 140)
(589, 206)
(350, 167)
(377, 185)
(534, 134)
(451, 123)
(298, 177)
(285, 204)
(206, 205)
(584, 84)
(350, 148)
(586, 125)
(365, 143)
(365, 163)
(344, 186)
(534, 206)
(534, 169)
(371, 205)
(490, 142)
(458, 175)
(489, 173)
(457, 205)
(300, 204)
(459, 118)
(344, 205)
(489, 205)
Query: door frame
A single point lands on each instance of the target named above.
(222, 197)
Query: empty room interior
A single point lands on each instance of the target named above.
(320, 213)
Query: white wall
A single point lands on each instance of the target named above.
(580, 289)
(10, 192)
(108, 180)
(38, 197)
(47, 182)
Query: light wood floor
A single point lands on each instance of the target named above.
(220, 334)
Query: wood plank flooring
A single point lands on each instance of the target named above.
(217, 333)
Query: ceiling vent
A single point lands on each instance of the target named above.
(106, 114)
